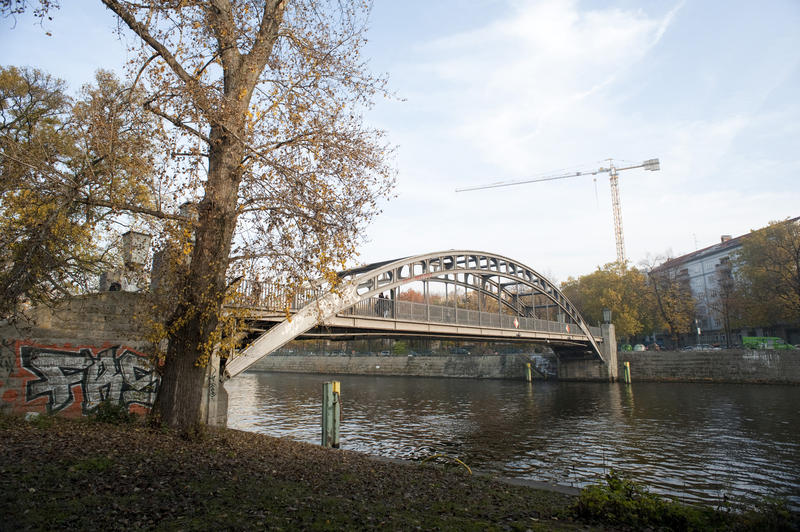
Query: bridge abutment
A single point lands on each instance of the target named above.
(589, 368)
(214, 410)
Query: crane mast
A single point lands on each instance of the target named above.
(650, 164)
(615, 206)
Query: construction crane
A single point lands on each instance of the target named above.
(649, 164)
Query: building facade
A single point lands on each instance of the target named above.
(709, 275)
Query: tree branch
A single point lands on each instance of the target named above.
(255, 61)
(133, 208)
(140, 30)
(139, 75)
(177, 122)
(222, 24)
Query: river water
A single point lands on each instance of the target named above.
(696, 442)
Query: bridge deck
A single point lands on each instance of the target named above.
(376, 314)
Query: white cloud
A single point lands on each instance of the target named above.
(541, 69)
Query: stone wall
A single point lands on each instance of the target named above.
(584, 370)
(746, 366)
(72, 380)
(736, 366)
(66, 360)
(463, 366)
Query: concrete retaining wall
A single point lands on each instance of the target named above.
(584, 370)
(745, 366)
(463, 366)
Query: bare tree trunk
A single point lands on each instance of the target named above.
(181, 392)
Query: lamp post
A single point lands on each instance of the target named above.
(606, 315)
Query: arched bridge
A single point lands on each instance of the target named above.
(462, 295)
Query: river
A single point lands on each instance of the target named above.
(696, 442)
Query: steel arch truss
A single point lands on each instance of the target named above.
(505, 280)
(486, 273)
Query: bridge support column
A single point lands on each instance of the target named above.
(214, 410)
(580, 366)
(609, 350)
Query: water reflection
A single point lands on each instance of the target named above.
(697, 441)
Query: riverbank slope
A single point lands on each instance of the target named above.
(57, 473)
(76, 474)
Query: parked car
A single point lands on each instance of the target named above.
(706, 347)
(765, 342)
(639, 347)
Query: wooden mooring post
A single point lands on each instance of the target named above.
(626, 372)
(528, 376)
(331, 413)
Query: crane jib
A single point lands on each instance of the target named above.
(649, 164)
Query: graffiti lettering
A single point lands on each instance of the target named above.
(113, 374)
(212, 384)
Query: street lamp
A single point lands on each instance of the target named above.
(606, 315)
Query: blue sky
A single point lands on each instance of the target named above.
(500, 89)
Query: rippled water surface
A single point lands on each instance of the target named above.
(700, 442)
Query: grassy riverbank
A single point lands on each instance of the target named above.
(57, 474)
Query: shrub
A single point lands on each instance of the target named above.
(112, 412)
(770, 514)
(623, 501)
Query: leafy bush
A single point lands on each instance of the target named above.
(769, 514)
(400, 348)
(623, 501)
(113, 412)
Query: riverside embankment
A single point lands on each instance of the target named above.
(725, 366)
(456, 366)
(66, 474)
(60, 474)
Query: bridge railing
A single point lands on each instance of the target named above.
(411, 311)
(274, 297)
(270, 296)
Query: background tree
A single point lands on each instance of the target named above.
(414, 296)
(620, 288)
(64, 167)
(767, 268)
(725, 299)
(261, 107)
(672, 299)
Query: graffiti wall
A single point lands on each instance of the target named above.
(73, 381)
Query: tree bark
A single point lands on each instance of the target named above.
(181, 393)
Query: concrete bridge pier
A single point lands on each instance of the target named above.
(589, 368)
(214, 410)
(609, 350)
